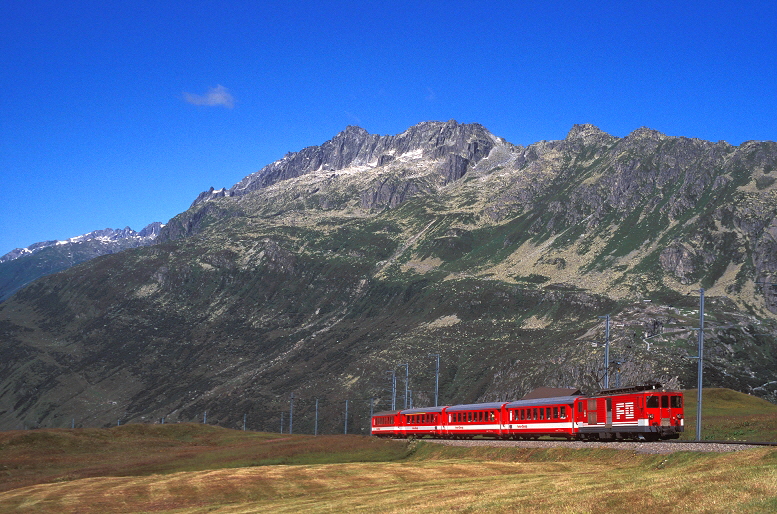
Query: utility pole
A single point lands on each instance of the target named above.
(291, 414)
(606, 350)
(407, 380)
(393, 389)
(281, 422)
(315, 425)
(700, 363)
(436, 378)
(346, 417)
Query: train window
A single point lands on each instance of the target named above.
(580, 407)
(547, 413)
(677, 402)
(542, 413)
(555, 412)
(563, 412)
(535, 414)
(652, 402)
(664, 402)
(493, 416)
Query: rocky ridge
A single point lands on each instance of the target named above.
(23, 265)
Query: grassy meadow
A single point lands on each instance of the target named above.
(200, 468)
(730, 416)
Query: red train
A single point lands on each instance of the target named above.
(646, 413)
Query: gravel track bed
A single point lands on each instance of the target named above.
(637, 447)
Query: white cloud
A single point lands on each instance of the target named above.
(218, 95)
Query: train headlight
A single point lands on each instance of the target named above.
(650, 416)
(679, 416)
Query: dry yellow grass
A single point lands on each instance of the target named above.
(529, 481)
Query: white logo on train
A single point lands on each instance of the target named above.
(624, 410)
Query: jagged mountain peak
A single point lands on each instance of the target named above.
(456, 145)
(646, 133)
(151, 231)
(588, 133)
(352, 130)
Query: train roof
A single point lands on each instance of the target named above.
(385, 413)
(424, 409)
(646, 387)
(552, 392)
(566, 400)
(476, 406)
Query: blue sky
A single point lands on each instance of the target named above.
(115, 114)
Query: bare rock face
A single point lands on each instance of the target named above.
(681, 261)
(388, 193)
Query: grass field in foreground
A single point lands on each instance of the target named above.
(549, 480)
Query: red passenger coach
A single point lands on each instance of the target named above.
(386, 424)
(542, 416)
(467, 421)
(641, 412)
(421, 422)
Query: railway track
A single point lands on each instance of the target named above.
(635, 446)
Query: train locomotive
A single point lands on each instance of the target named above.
(644, 413)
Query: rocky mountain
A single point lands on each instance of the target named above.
(327, 268)
(23, 265)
